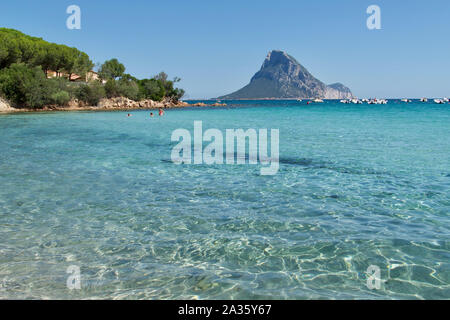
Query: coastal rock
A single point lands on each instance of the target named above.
(5, 106)
(74, 103)
(282, 77)
(117, 103)
(125, 103)
(182, 104)
(202, 104)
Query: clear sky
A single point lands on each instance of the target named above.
(216, 46)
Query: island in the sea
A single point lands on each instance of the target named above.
(283, 77)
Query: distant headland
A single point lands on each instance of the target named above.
(283, 77)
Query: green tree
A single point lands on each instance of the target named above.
(111, 69)
(16, 47)
(129, 89)
(111, 89)
(90, 93)
(151, 89)
(50, 57)
(171, 92)
(162, 76)
(9, 51)
(82, 64)
(25, 86)
(60, 98)
(122, 88)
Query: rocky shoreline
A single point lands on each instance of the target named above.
(112, 104)
(5, 107)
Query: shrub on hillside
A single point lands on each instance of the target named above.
(60, 98)
(24, 86)
(122, 88)
(90, 93)
(151, 89)
(111, 89)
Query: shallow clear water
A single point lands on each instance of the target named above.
(357, 186)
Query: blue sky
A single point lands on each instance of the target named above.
(217, 46)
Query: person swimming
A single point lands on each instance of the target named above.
(151, 114)
(129, 115)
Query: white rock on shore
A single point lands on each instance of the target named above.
(121, 102)
(4, 105)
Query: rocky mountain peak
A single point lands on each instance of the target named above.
(282, 76)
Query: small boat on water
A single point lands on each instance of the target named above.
(345, 101)
(424, 100)
(445, 99)
(317, 100)
(406, 100)
(376, 101)
(439, 101)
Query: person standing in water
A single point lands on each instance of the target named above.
(161, 112)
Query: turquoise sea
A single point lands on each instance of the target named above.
(358, 185)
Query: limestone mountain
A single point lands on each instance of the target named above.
(282, 77)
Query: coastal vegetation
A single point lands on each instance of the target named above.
(35, 73)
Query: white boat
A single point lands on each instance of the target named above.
(317, 100)
(424, 100)
(445, 99)
(406, 100)
(376, 101)
(439, 101)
